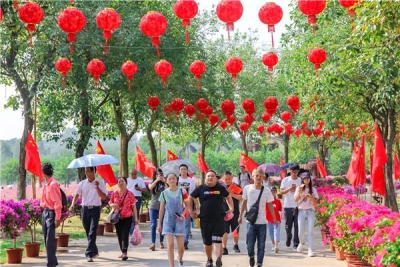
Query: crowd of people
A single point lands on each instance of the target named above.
(221, 204)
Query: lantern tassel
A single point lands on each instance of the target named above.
(198, 84)
(129, 85)
(270, 77)
(313, 28)
(272, 38)
(158, 51)
(71, 49)
(234, 80)
(186, 35)
(71, 2)
(30, 40)
(106, 47)
(63, 83)
(352, 24)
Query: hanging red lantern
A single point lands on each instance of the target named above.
(186, 10)
(266, 117)
(285, 116)
(320, 124)
(248, 106)
(15, 4)
(201, 104)
(96, 67)
(213, 118)
(229, 11)
(270, 59)
(1, 14)
(153, 102)
(234, 65)
(304, 125)
(197, 68)
(269, 129)
(248, 118)
(271, 104)
(317, 132)
(63, 65)
(311, 8)
(129, 68)
(71, 20)
(293, 102)
(260, 129)
(327, 133)
(223, 125)
(244, 126)
(153, 25)
(207, 111)
(270, 14)
(168, 110)
(163, 69)
(31, 14)
(298, 132)
(108, 20)
(307, 132)
(177, 105)
(349, 4)
(317, 56)
(279, 129)
(231, 119)
(189, 110)
(288, 128)
(228, 107)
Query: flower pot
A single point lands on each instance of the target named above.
(100, 229)
(62, 240)
(14, 255)
(353, 260)
(108, 227)
(324, 234)
(142, 217)
(331, 247)
(148, 216)
(32, 249)
(339, 254)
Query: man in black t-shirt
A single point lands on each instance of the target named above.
(212, 196)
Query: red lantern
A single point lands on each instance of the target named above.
(31, 14)
(244, 126)
(189, 110)
(307, 132)
(231, 119)
(317, 56)
(248, 106)
(270, 59)
(153, 103)
(96, 67)
(207, 111)
(317, 132)
(320, 124)
(363, 126)
(304, 125)
(197, 68)
(177, 105)
(71, 20)
(63, 65)
(270, 14)
(129, 68)
(278, 129)
(327, 133)
(266, 117)
(293, 102)
(153, 25)
(298, 132)
(1, 14)
(15, 4)
(311, 8)
(201, 104)
(288, 128)
(260, 128)
(168, 110)
(228, 107)
(248, 118)
(285, 116)
(163, 69)
(269, 129)
(108, 20)
(223, 125)
(186, 10)
(213, 118)
(271, 104)
(234, 65)
(229, 11)
(349, 4)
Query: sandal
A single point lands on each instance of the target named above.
(161, 245)
(124, 257)
(152, 247)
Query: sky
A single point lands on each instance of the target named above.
(12, 124)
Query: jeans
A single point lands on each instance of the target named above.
(138, 205)
(49, 234)
(291, 220)
(274, 231)
(122, 228)
(153, 226)
(308, 214)
(187, 229)
(90, 221)
(256, 232)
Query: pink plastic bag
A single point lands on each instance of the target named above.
(136, 238)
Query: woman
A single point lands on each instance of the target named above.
(125, 201)
(307, 197)
(173, 222)
(156, 187)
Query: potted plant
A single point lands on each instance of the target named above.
(63, 238)
(144, 215)
(34, 210)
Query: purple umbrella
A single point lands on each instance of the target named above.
(270, 167)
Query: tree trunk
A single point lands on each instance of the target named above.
(286, 140)
(152, 144)
(123, 163)
(83, 140)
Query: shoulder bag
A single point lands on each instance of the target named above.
(114, 215)
(252, 214)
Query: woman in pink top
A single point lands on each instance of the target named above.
(124, 200)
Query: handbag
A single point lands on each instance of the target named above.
(114, 215)
(252, 214)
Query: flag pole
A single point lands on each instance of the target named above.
(34, 138)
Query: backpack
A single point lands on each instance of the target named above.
(240, 180)
(64, 202)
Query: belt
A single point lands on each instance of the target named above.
(91, 207)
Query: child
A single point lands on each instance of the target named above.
(274, 229)
(173, 204)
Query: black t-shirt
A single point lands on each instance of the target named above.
(212, 207)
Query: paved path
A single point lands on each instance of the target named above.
(142, 256)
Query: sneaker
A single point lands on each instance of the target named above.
(273, 249)
(89, 259)
(236, 248)
(209, 263)
(218, 262)
(310, 253)
(276, 250)
(252, 262)
(259, 264)
(288, 243)
(300, 247)
(225, 251)
(186, 246)
(180, 263)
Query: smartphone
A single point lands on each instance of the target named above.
(177, 214)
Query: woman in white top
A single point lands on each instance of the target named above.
(306, 196)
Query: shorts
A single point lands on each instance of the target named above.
(177, 229)
(212, 231)
(232, 224)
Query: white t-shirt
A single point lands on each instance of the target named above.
(131, 186)
(251, 195)
(88, 192)
(304, 203)
(243, 179)
(287, 182)
(189, 184)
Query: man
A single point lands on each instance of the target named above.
(257, 232)
(232, 224)
(288, 188)
(136, 185)
(212, 196)
(51, 202)
(244, 177)
(189, 184)
(92, 191)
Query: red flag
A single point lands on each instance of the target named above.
(247, 162)
(143, 164)
(201, 163)
(396, 166)
(32, 158)
(281, 162)
(353, 166)
(321, 168)
(105, 171)
(379, 159)
(361, 172)
(171, 156)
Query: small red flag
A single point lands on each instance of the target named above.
(143, 164)
(32, 158)
(353, 166)
(361, 172)
(247, 162)
(171, 156)
(396, 166)
(105, 171)
(201, 163)
(281, 162)
(379, 159)
(321, 168)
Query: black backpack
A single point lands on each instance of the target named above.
(64, 202)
